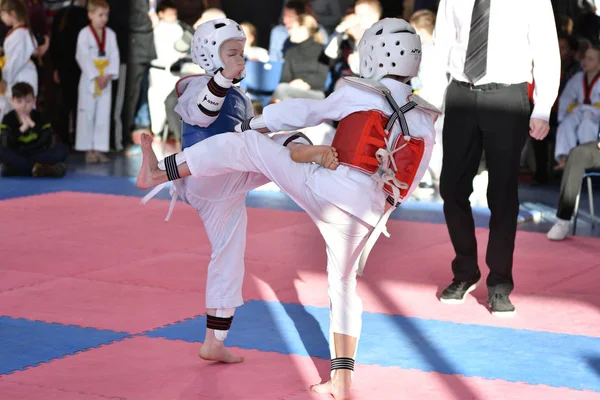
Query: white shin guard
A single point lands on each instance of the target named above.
(221, 322)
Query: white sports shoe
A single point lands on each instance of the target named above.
(560, 230)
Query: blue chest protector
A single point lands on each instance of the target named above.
(232, 113)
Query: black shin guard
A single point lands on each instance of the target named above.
(342, 363)
(218, 323)
(171, 167)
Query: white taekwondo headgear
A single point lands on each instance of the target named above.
(208, 39)
(390, 46)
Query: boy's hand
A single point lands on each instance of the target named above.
(234, 67)
(105, 80)
(26, 122)
(299, 84)
(2, 86)
(27, 119)
(102, 81)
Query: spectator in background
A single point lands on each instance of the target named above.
(569, 62)
(302, 75)
(341, 53)
(430, 84)
(19, 46)
(141, 52)
(27, 142)
(66, 25)
(580, 158)
(162, 81)
(327, 12)
(251, 51)
(564, 24)
(38, 27)
(578, 114)
(281, 33)
(100, 64)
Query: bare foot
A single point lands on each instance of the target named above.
(338, 386)
(149, 164)
(326, 156)
(215, 351)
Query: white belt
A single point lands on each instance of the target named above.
(157, 190)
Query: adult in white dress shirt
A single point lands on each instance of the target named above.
(491, 49)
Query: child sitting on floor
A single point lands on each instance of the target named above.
(27, 145)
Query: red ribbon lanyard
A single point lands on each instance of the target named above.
(587, 88)
(101, 45)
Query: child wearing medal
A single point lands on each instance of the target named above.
(97, 55)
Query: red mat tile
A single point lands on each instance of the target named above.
(67, 257)
(174, 271)
(10, 280)
(585, 282)
(20, 391)
(286, 261)
(144, 368)
(102, 305)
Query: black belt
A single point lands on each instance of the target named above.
(483, 88)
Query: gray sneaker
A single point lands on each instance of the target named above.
(500, 305)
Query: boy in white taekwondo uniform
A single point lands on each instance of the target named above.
(346, 202)
(97, 55)
(210, 105)
(579, 108)
(19, 46)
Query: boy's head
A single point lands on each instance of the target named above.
(390, 47)
(13, 12)
(569, 46)
(217, 41)
(368, 12)
(591, 60)
(424, 23)
(98, 13)
(23, 98)
(249, 32)
(167, 11)
(291, 10)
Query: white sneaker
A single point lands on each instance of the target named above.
(560, 230)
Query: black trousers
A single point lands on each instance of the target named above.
(22, 164)
(580, 158)
(495, 122)
(67, 109)
(133, 92)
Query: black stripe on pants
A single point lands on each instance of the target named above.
(495, 122)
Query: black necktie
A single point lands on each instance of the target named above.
(476, 61)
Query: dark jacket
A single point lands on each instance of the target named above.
(301, 62)
(66, 25)
(40, 137)
(141, 35)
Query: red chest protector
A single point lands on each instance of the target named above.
(362, 141)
